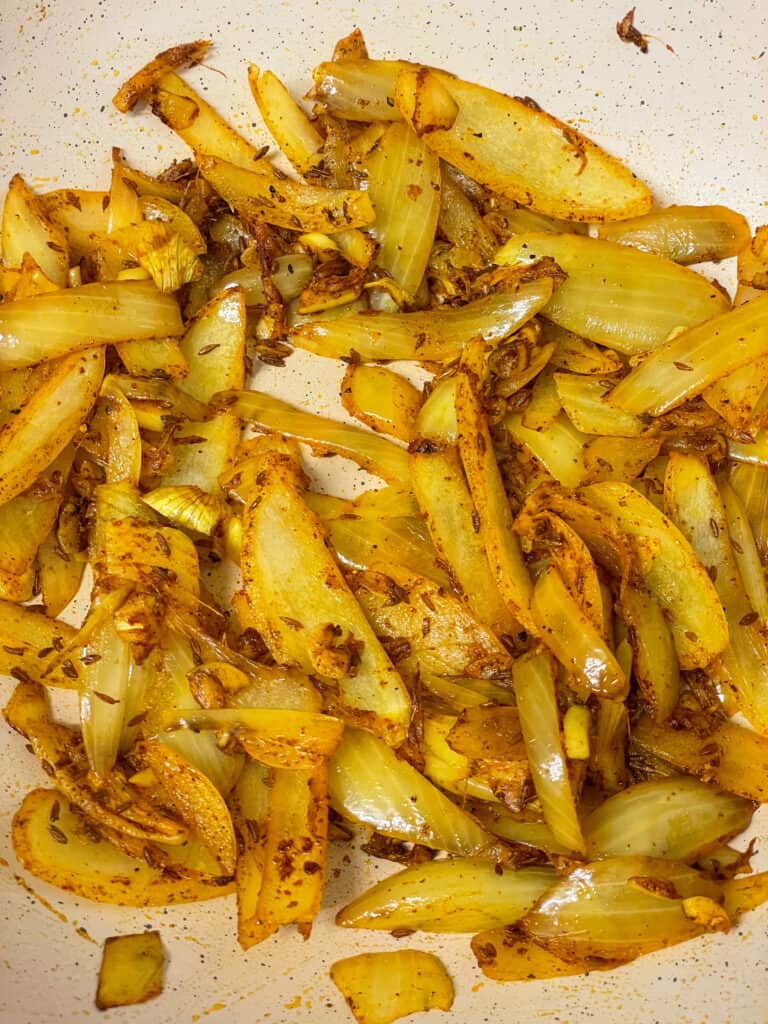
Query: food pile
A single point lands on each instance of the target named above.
(511, 664)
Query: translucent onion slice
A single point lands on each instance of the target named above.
(383, 987)
(745, 552)
(615, 295)
(678, 818)
(750, 482)
(432, 335)
(685, 234)
(374, 453)
(52, 325)
(684, 367)
(583, 400)
(534, 685)
(371, 785)
(457, 895)
(620, 908)
(404, 188)
(402, 540)
(744, 894)
(104, 696)
(558, 447)
(28, 229)
(574, 640)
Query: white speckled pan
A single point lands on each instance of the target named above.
(689, 117)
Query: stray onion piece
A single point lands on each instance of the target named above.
(510, 663)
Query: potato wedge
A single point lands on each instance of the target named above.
(290, 127)
(25, 632)
(61, 323)
(131, 970)
(383, 987)
(309, 617)
(202, 128)
(733, 758)
(536, 160)
(446, 502)
(693, 501)
(671, 570)
(48, 420)
(417, 619)
(186, 55)
(194, 798)
(55, 843)
(283, 819)
(491, 504)
(615, 295)
(113, 802)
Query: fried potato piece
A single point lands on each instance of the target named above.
(383, 987)
(54, 842)
(131, 970)
(194, 798)
(301, 605)
(48, 420)
(418, 619)
(382, 399)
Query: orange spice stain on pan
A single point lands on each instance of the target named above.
(79, 929)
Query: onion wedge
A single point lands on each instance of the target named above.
(620, 908)
(458, 895)
(434, 335)
(534, 684)
(59, 323)
(685, 366)
(370, 784)
(615, 295)
(678, 818)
